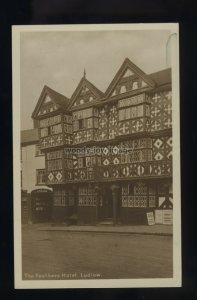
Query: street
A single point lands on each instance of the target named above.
(83, 255)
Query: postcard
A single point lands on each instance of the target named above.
(96, 143)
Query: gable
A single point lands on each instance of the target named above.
(47, 106)
(49, 101)
(128, 73)
(128, 78)
(85, 93)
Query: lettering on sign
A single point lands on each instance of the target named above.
(167, 216)
(158, 216)
(150, 218)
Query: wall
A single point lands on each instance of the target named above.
(29, 164)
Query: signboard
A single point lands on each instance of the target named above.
(150, 218)
(167, 216)
(158, 216)
(40, 191)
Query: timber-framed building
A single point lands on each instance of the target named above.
(125, 167)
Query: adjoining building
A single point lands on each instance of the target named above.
(109, 155)
(36, 196)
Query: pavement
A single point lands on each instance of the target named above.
(162, 230)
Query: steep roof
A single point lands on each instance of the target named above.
(29, 136)
(59, 99)
(128, 64)
(90, 85)
(162, 77)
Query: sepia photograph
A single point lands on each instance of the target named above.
(96, 143)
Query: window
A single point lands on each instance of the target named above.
(135, 85)
(149, 155)
(54, 164)
(44, 132)
(81, 162)
(147, 110)
(127, 113)
(68, 163)
(162, 188)
(76, 125)
(95, 122)
(89, 123)
(132, 100)
(93, 160)
(81, 124)
(40, 175)
(68, 128)
(81, 101)
(139, 111)
(59, 197)
(131, 112)
(123, 89)
(96, 112)
(50, 121)
(56, 129)
(121, 114)
(99, 161)
(38, 151)
(44, 123)
(67, 119)
(54, 154)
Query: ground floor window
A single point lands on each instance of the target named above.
(87, 196)
(59, 197)
(134, 195)
(141, 194)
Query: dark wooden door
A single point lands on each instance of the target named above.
(107, 204)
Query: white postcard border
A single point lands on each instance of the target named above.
(101, 283)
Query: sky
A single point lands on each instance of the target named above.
(58, 59)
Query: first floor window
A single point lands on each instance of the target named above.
(44, 132)
(56, 129)
(40, 176)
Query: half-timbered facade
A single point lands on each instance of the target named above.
(109, 155)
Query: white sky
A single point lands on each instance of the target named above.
(58, 59)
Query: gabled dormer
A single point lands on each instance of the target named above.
(85, 93)
(53, 119)
(49, 102)
(128, 78)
